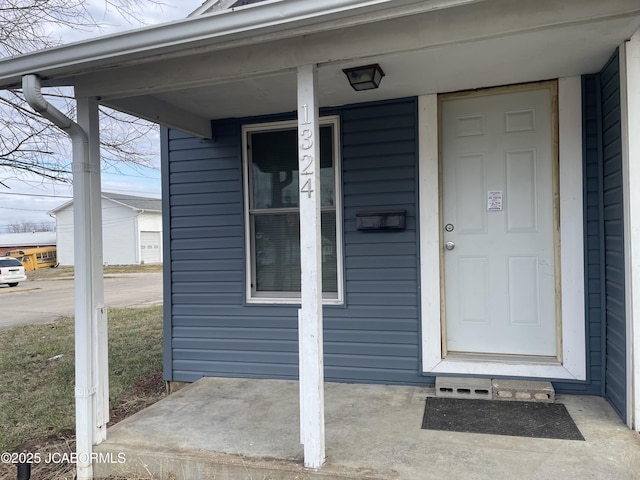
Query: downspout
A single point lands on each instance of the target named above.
(84, 389)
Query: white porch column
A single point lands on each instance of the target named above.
(310, 315)
(630, 106)
(92, 390)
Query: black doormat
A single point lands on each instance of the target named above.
(517, 419)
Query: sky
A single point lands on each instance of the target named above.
(30, 198)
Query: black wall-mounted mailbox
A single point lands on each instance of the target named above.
(389, 220)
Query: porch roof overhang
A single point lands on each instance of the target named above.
(243, 63)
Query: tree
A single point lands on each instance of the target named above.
(28, 226)
(30, 144)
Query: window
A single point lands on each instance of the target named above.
(273, 216)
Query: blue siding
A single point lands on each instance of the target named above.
(592, 154)
(613, 239)
(373, 337)
(604, 246)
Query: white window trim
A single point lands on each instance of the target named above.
(284, 298)
(573, 365)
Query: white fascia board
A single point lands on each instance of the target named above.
(61, 207)
(135, 209)
(222, 29)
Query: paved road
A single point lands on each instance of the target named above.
(43, 301)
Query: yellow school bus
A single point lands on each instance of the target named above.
(34, 258)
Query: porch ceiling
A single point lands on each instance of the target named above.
(424, 47)
(515, 58)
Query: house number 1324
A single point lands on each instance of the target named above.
(306, 160)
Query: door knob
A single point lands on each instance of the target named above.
(449, 245)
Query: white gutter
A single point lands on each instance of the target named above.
(85, 387)
(276, 17)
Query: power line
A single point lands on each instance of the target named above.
(34, 195)
(27, 209)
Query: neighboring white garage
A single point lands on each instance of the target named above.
(131, 230)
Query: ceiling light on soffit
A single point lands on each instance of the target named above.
(366, 77)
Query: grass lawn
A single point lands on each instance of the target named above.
(37, 402)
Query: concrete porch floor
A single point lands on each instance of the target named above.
(218, 429)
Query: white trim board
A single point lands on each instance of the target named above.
(630, 119)
(573, 364)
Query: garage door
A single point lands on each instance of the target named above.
(150, 251)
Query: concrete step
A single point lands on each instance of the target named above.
(523, 390)
(464, 387)
(488, 389)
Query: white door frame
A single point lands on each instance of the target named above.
(573, 365)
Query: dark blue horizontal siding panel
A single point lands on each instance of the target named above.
(355, 238)
(613, 240)
(386, 349)
(379, 174)
(372, 375)
(382, 286)
(208, 287)
(195, 221)
(367, 260)
(226, 323)
(222, 276)
(379, 201)
(236, 231)
(380, 317)
(365, 151)
(202, 159)
(201, 368)
(199, 243)
(237, 356)
(392, 160)
(377, 299)
(373, 337)
(371, 361)
(222, 169)
(365, 188)
(386, 137)
(228, 338)
(210, 253)
(207, 299)
(394, 249)
(204, 265)
(213, 183)
(206, 199)
(196, 210)
(236, 310)
(408, 274)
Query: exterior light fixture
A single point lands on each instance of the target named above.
(364, 78)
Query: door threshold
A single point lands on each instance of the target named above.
(525, 366)
(502, 358)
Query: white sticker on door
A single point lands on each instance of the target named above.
(494, 201)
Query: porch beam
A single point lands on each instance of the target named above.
(310, 326)
(630, 113)
(161, 112)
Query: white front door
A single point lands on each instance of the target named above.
(498, 223)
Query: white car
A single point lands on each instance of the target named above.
(11, 271)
